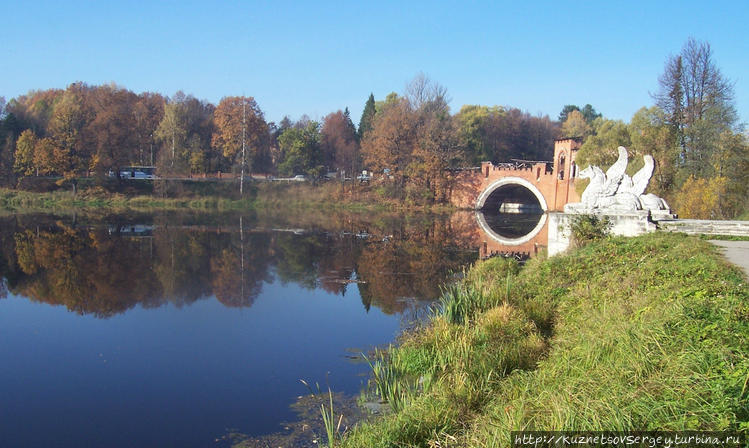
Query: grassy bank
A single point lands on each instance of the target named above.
(210, 196)
(56, 201)
(646, 333)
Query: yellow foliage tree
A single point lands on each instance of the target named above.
(575, 125)
(701, 198)
(24, 157)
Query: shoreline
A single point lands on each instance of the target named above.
(624, 334)
(261, 196)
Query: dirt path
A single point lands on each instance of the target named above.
(737, 252)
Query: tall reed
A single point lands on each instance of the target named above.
(328, 417)
(391, 385)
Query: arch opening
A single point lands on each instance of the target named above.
(511, 195)
(512, 211)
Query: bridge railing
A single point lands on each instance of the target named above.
(524, 165)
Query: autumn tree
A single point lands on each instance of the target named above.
(390, 143)
(67, 127)
(517, 134)
(435, 152)
(34, 156)
(185, 134)
(148, 113)
(698, 106)
(112, 129)
(24, 157)
(575, 125)
(172, 131)
(413, 136)
(239, 119)
(436, 146)
(34, 110)
(339, 143)
(426, 96)
(701, 198)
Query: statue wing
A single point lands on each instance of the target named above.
(641, 178)
(610, 187)
(616, 171)
(626, 185)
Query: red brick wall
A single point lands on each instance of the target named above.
(557, 187)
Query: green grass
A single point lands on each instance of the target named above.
(23, 201)
(646, 333)
(197, 195)
(724, 237)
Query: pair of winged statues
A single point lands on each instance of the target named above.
(615, 190)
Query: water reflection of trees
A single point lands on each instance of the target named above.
(85, 270)
(92, 268)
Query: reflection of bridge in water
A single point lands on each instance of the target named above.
(519, 236)
(514, 235)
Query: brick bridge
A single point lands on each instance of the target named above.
(521, 185)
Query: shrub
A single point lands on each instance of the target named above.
(587, 228)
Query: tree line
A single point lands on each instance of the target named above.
(86, 130)
(700, 147)
(692, 130)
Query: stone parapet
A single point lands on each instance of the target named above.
(624, 224)
(704, 227)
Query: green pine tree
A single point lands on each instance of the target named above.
(367, 116)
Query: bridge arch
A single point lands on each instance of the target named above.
(511, 180)
(484, 225)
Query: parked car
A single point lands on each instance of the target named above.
(135, 172)
(299, 178)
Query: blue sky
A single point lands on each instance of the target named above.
(317, 57)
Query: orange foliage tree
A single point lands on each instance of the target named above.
(233, 115)
(112, 129)
(339, 142)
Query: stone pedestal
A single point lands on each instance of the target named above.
(631, 223)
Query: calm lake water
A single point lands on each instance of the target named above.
(180, 329)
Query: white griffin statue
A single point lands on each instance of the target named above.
(616, 191)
